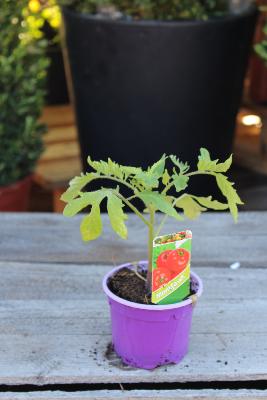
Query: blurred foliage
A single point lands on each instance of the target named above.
(22, 80)
(261, 47)
(154, 9)
(40, 15)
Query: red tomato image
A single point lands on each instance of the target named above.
(177, 260)
(163, 258)
(161, 276)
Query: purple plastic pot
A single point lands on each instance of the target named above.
(146, 336)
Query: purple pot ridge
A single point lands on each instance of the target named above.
(147, 336)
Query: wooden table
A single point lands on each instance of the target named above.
(54, 318)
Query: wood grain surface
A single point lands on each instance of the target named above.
(217, 241)
(54, 318)
(140, 395)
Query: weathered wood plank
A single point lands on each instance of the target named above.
(54, 323)
(49, 282)
(207, 394)
(65, 359)
(58, 115)
(60, 134)
(57, 291)
(57, 173)
(60, 151)
(60, 317)
(53, 238)
(55, 328)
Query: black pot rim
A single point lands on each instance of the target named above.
(229, 17)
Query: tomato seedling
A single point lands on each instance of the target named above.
(152, 187)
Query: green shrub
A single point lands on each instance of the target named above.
(261, 47)
(22, 78)
(154, 9)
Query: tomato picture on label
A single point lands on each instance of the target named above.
(173, 260)
(161, 276)
(177, 260)
(162, 260)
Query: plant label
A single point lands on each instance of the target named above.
(171, 267)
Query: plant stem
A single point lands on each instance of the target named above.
(132, 197)
(168, 187)
(150, 246)
(113, 178)
(200, 173)
(175, 200)
(164, 219)
(133, 208)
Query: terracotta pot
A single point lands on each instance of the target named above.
(15, 197)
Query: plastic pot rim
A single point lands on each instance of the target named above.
(147, 306)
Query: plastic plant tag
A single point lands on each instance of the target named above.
(171, 267)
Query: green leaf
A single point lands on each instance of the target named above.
(85, 199)
(157, 169)
(223, 167)
(76, 185)
(209, 203)
(115, 169)
(206, 164)
(99, 166)
(230, 193)
(91, 225)
(165, 177)
(130, 170)
(116, 215)
(183, 167)
(109, 168)
(180, 182)
(147, 179)
(159, 202)
(191, 208)
(76, 205)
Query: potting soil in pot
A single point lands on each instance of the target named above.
(126, 284)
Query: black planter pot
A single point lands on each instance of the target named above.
(57, 92)
(144, 88)
(56, 83)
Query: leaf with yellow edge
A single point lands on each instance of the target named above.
(209, 203)
(86, 199)
(158, 167)
(180, 182)
(230, 193)
(165, 177)
(91, 225)
(191, 208)
(116, 215)
(159, 202)
(206, 164)
(76, 185)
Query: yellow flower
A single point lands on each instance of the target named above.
(34, 6)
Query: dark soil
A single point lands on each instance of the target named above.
(126, 284)
(129, 286)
